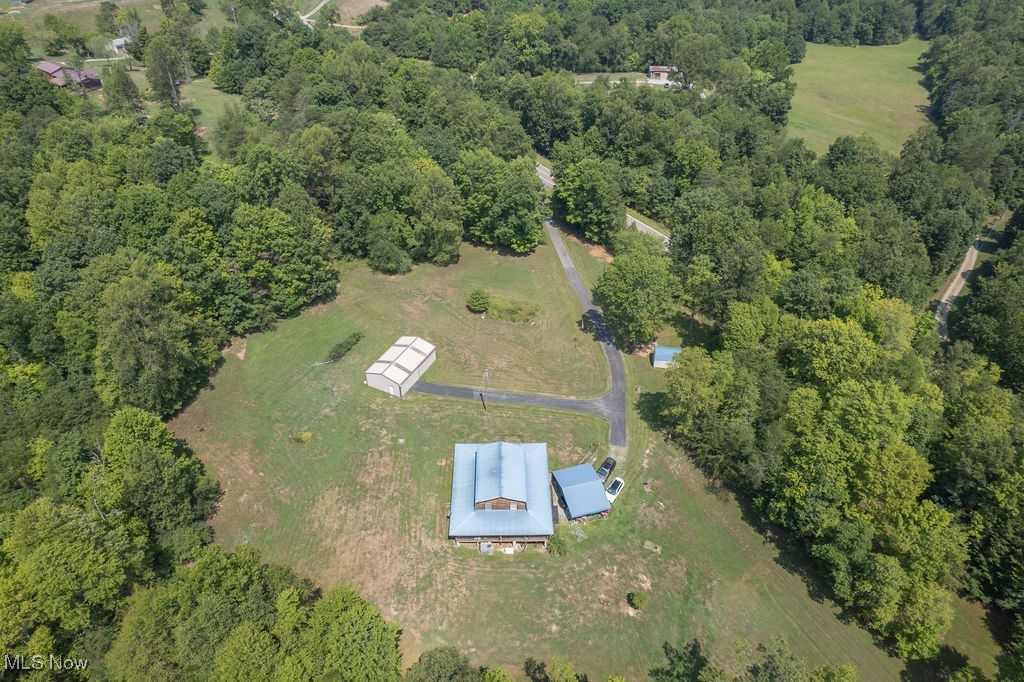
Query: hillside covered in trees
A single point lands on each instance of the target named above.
(131, 249)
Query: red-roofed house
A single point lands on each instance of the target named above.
(61, 74)
(661, 73)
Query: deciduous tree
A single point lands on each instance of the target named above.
(637, 294)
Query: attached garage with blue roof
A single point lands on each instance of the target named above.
(582, 490)
(501, 493)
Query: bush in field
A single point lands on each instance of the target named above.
(637, 599)
(340, 350)
(479, 301)
(557, 544)
(512, 311)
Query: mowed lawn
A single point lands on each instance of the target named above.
(82, 14)
(856, 91)
(363, 502)
(207, 103)
(349, 11)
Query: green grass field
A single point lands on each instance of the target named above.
(82, 13)
(613, 77)
(363, 501)
(349, 11)
(206, 102)
(856, 91)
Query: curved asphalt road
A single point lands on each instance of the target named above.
(612, 406)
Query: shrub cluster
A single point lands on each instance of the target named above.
(637, 599)
(480, 302)
(340, 350)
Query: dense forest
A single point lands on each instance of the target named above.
(131, 248)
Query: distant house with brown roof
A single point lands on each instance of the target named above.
(60, 74)
(661, 73)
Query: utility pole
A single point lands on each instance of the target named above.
(483, 400)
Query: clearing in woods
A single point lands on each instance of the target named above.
(82, 13)
(363, 502)
(863, 90)
(349, 11)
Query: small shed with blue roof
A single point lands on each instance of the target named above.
(582, 490)
(501, 493)
(663, 356)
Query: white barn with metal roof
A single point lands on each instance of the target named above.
(401, 366)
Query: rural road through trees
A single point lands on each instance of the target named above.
(956, 282)
(954, 288)
(306, 18)
(544, 173)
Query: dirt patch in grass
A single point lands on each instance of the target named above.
(349, 11)
(599, 252)
(596, 251)
(244, 503)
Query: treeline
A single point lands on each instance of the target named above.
(975, 71)
(123, 267)
(533, 37)
(401, 159)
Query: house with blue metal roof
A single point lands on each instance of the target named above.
(582, 490)
(501, 493)
(663, 356)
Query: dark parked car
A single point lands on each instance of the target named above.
(606, 469)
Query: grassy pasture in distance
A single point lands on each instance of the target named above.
(82, 13)
(588, 77)
(206, 102)
(349, 485)
(349, 11)
(858, 90)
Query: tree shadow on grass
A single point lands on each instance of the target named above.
(537, 671)
(1000, 624)
(649, 406)
(693, 332)
(682, 665)
(947, 662)
(790, 554)
(505, 251)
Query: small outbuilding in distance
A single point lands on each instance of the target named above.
(661, 73)
(582, 491)
(663, 356)
(401, 366)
